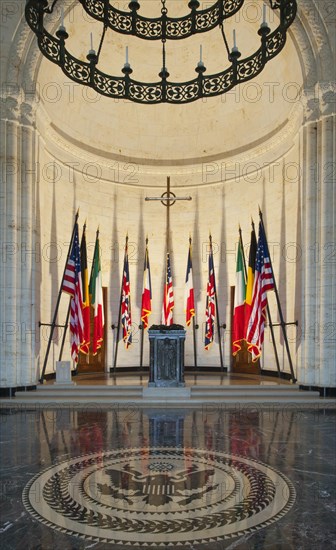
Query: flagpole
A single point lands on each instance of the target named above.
(217, 316)
(194, 338)
(268, 311)
(282, 322)
(67, 321)
(119, 315)
(242, 247)
(142, 324)
(168, 215)
(64, 333)
(53, 324)
(194, 322)
(245, 273)
(141, 344)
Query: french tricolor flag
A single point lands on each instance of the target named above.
(189, 290)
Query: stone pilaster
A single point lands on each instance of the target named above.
(309, 274)
(28, 258)
(327, 265)
(9, 288)
(317, 365)
(17, 276)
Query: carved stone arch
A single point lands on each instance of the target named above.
(323, 28)
(305, 51)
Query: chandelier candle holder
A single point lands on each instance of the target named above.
(163, 28)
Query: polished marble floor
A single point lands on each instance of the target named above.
(202, 479)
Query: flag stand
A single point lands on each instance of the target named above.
(119, 314)
(53, 323)
(64, 333)
(282, 322)
(141, 328)
(118, 332)
(217, 317)
(219, 334)
(273, 337)
(194, 338)
(146, 308)
(267, 307)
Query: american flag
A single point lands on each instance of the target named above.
(168, 298)
(72, 284)
(146, 306)
(189, 291)
(210, 309)
(126, 316)
(263, 282)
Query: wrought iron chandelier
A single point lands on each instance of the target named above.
(162, 28)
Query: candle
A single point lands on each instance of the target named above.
(91, 41)
(234, 38)
(201, 54)
(126, 55)
(264, 13)
(62, 17)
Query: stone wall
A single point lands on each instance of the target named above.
(54, 161)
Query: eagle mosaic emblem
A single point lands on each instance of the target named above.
(162, 496)
(159, 488)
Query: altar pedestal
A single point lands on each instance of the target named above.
(63, 374)
(166, 344)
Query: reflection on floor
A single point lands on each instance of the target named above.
(205, 479)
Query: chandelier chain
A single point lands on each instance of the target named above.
(164, 12)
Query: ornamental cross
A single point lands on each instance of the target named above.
(168, 198)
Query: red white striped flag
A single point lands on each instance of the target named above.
(189, 290)
(168, 298)
(126, 315)
(210, 309)
(72, 284)
(146, 302)
(263, 282)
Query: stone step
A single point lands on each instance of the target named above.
(74, 394)
(231, 403)
(262, 393)
(109, 395)
(248, 387)
(68, 394)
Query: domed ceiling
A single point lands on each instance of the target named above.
(171, 134)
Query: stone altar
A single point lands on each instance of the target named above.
(166, 356)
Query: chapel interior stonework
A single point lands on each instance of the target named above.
(267, 143)
(156, 442)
